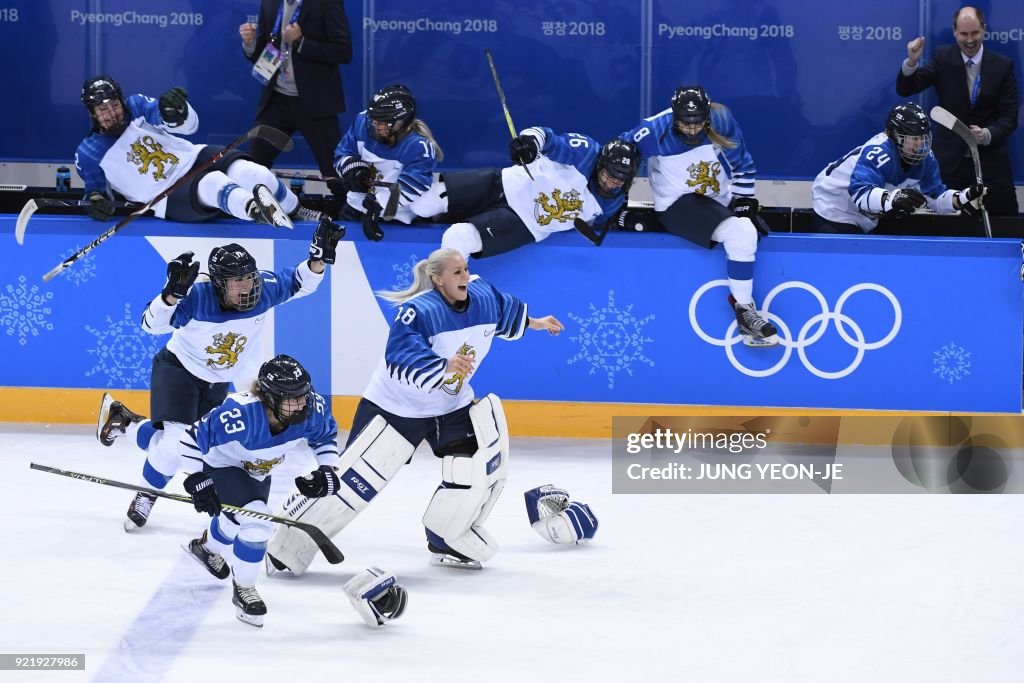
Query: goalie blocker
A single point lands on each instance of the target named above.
(471, 484)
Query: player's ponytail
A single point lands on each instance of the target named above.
(418, 126)
(422, 273)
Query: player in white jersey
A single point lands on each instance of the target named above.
(702, 177)
(443, 329)
(134, 149)
(233, 450)
(386, 144)
(559, 179)
(217, 329)
(893, 174)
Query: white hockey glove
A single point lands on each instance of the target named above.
(377, 596)
(556, 518)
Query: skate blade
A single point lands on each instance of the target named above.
(250, 619)
(130, 526)
(105, 404)
(442, 560)
(760, 342)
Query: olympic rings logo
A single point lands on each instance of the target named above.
(849, 331)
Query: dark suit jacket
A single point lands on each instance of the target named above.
(326, 43)
(995, 107)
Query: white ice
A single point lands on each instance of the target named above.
(752, 588)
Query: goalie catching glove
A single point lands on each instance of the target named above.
(377, 596)
(556, 518)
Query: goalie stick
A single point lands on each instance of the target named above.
(329, 550)
(947, 120)
(504, 105)
(272, 135)
(33, 205)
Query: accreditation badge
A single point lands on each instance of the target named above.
(267, 65)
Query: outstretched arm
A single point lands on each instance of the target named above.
(548, 322)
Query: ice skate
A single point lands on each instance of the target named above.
(113, 420)
(756, 330)
(263, 208)
(211, 562)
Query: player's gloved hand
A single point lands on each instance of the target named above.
(181, 274)
(98, 206)
(321, 482)
(199, 485)
(971, 199)
(904, 201)
(356, 175)
(638, 220)
(377, 596)
(744, 207)
(324, 246)
(371, 219)
(174, 106)
(523, 149)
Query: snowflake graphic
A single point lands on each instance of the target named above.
(611, 339)
(82, 271)
(952, 363)
(123, 352)
(23, 311)
(403, 271)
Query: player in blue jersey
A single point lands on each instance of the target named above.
(386, 144)
(443, 329)
(217, 330)
(702, 177)
(134, 149)
(893, 174)
(560, 179)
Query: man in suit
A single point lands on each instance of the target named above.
(979, 88)
(296, 48)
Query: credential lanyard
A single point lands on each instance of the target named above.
(280, 12)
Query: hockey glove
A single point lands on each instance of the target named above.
(377, 596)
(98, 206)
(324, 246)
(971, 199)
(371, 219)
(319, 483)
(356, 175)
(181, 274)
(199, 485)
(903, 202)
(523, 149)
(174, 106)
(744, 207)
(556, 518)
(638, 220)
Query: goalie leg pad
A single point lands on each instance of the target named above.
(377, 596)
(366, 467)
(471, 485)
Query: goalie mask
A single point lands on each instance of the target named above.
(909, 129)
(391, 111)
(618, 162)
(691, 111)
(286, 388)
(235, 276)
(107, 107)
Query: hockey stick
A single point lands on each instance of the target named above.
(504, 105)
(595, 238)
(272, 135)
(330, 551)
(33, 205)
(945, 118)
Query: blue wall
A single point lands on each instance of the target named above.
(807, 82)
(875, 322)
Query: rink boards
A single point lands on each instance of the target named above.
(873, 323)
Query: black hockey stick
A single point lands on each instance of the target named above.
(946, 119)
(595, 238)
(504, 105)
(272, 135)
(33, 205)
(330, 551)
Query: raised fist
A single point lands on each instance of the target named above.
(98, 206)
(914, 50)
(181, 274)
(523, 149)
(325, 240)
(174, 106)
